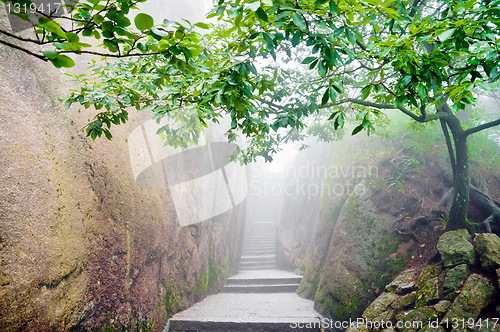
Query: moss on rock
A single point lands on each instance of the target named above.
(428, 293)
(455, 248)
(406, 301)
(488, 249)
(475, 295)
(415, 320)
(404, 283)
(380, 305)
(456, 277)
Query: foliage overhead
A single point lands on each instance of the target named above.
(279, 69)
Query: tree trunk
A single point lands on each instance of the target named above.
(461, 179)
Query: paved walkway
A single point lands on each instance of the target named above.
(259, 298)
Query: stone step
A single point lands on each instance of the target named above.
(264, 281)
(260, 248)
(261, 234)
(203, 326)
(275, 288)
(259, 258)
(258, 267)
(259, 243)
(257, 264)
(269, 245)
(244, 312)
(259, 252)
(260, 239)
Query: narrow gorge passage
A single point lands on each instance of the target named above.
(259, 298)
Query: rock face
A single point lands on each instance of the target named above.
(81, 246)
(456, 277)
(449, 299)
(359, 254)
(353, 250)
(488, 250)
(455, 248)
(476, 294)
(404, 283)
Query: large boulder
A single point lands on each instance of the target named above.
(428, 293)
(416, 319)
(362, 259)
(455, 248)
(488, 249)
(404, 283)
(378, 306)
(476, 294)
(456, 277)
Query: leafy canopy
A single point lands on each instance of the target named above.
(281, 69)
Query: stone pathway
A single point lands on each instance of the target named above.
(259, 298)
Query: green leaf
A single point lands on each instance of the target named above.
(143, 21)
(108, 135)
(296, 38)
(72, 37)
(357, 129)
(98, 19)
(446, 35)
(333, 94)
(52, 26)
(309, 59)
(120, 19)
(334, 9)
(261, 14)
(365, 92)
(299, 21)
(202, 25)
(339, 121)
(322, 69)
(422, 91)
(65, 61)
(406, 80)
(325, 97)
(51, 55)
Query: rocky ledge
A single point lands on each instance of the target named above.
(458, 294)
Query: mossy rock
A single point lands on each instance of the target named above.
(380, 305)
(442, 306)
(477, 293)
(456, 277)
(428, 293)
(358, 328)
(415, 320)
(439, 328)
(386, 316)
(406, 301)
(488, 249)
(334, 300)
(404, 283)
(363, 258)
(428, 273)
(455, 248)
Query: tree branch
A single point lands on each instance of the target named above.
(110, 55)
(23, 39)
(39, 56)
(415, 117)
(486, 125)
(449, 146)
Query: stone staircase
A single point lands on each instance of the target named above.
(259, 298)
(258, 272)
